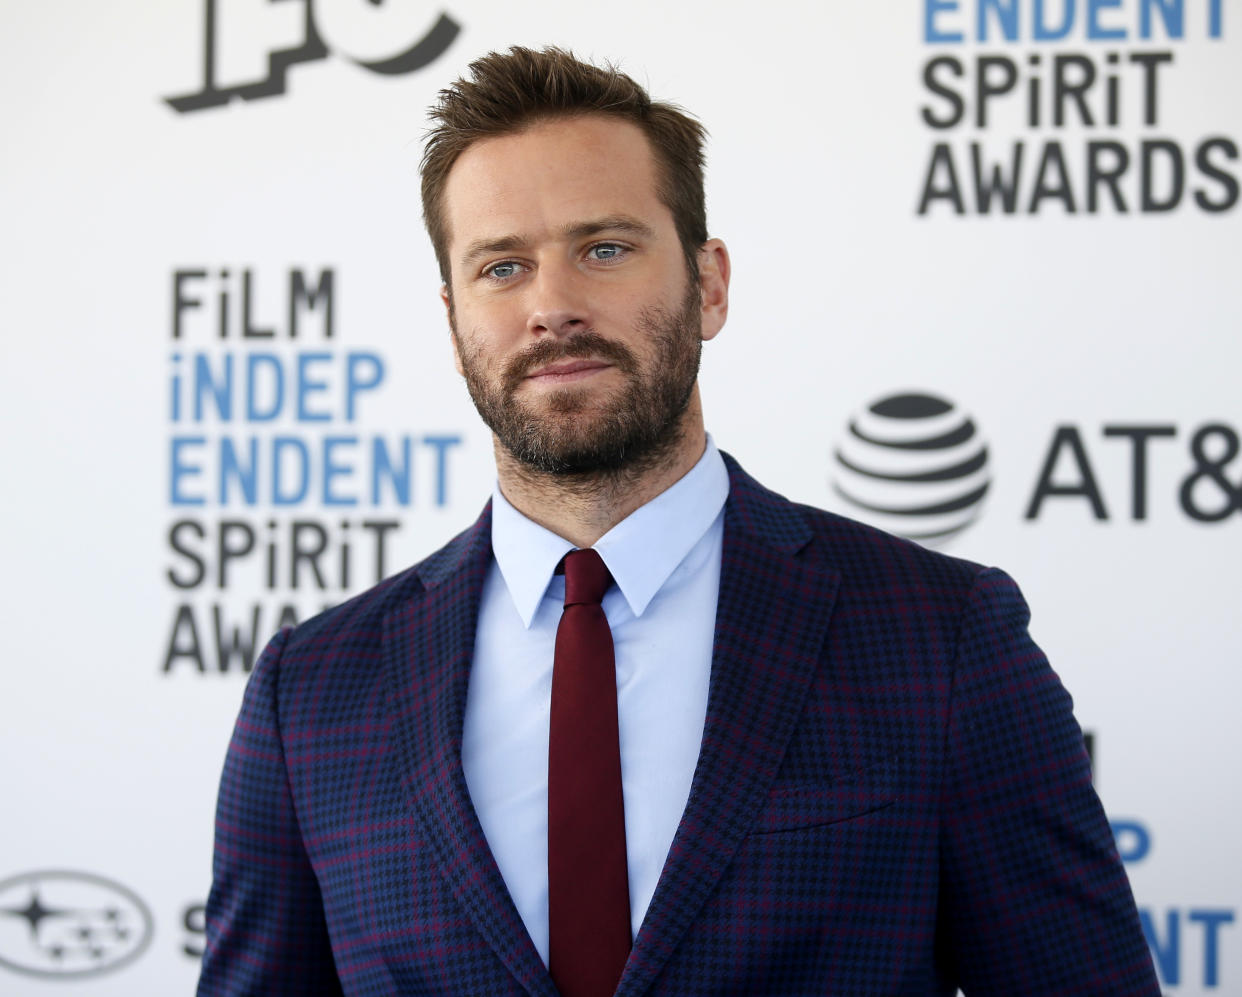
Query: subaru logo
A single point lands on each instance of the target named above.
(70, 924)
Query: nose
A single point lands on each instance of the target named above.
(558, 302)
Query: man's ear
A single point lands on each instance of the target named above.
(714, 285)
(447, 298)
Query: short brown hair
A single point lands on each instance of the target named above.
(507, 92)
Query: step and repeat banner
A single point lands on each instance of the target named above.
(987, 294)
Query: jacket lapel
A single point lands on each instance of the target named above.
(771, 620)
(428, 649)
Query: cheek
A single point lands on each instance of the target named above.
(500, 322)
(456, 347)
(479, 352)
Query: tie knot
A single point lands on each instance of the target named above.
(586, 577)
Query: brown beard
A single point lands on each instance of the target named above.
(641, 427)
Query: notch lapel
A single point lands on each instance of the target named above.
(428, 650)
(771, 620)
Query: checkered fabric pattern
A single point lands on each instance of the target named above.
(891, 797)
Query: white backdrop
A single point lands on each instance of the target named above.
(1067, 334)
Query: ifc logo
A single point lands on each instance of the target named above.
(913, 464)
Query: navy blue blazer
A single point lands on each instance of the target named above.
(891, 796)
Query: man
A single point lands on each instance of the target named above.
(827, 762)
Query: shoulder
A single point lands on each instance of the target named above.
(866, 559)
(349, 630)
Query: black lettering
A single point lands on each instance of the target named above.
(344, 549)
(942, 156)
(1177, 175)
(1032, 91)
(227, 551)
(1113, 100)
(1063, 89)
(302, 297)
(380, 528)
(288, 617)
(1138, 437)
(183, 302)
(1098, 174)
(1212, 469)
(299, 553)
(1052, 161)
(235, 644)
(183, 642)
(1149, 61)
(222, 302)
(1226, 180)
(194, 920)
(271, 553)
(250, 331)
(175, 542)
(957, 105)
(997, 182)
(1067, 438)
(985, 90)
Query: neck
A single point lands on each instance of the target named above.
(583, 507)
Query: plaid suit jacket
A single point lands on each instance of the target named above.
(891, 796)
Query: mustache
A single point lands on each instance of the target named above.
(580, 346)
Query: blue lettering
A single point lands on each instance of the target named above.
(308, 386)
(398, 476)
(1055, 20)
(1167, 956)
(301, 456)
(1046, 33)
(1211, 921)
(255, 362)
(1171, 12)
(206, 384)
(1006, 12)
(1133, 840)
(179, 469)
(932, 33)
(174, 392)
(355, 382)
(231, 468)
(333, 470)
(442, 443)
(1094, 30)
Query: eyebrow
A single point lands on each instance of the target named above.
(576, 230)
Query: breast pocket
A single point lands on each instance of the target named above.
(796, 806)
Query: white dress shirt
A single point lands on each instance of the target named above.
(665, 559)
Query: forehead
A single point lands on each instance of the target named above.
(550, 175)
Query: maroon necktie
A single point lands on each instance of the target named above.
(588, 885)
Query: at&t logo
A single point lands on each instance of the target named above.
(69, 924)
(249, 45)
(914, 465)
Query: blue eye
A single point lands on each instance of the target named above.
(501, 271)
(605, 251)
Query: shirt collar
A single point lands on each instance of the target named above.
(641, 551)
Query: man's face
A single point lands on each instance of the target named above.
(575, 321)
